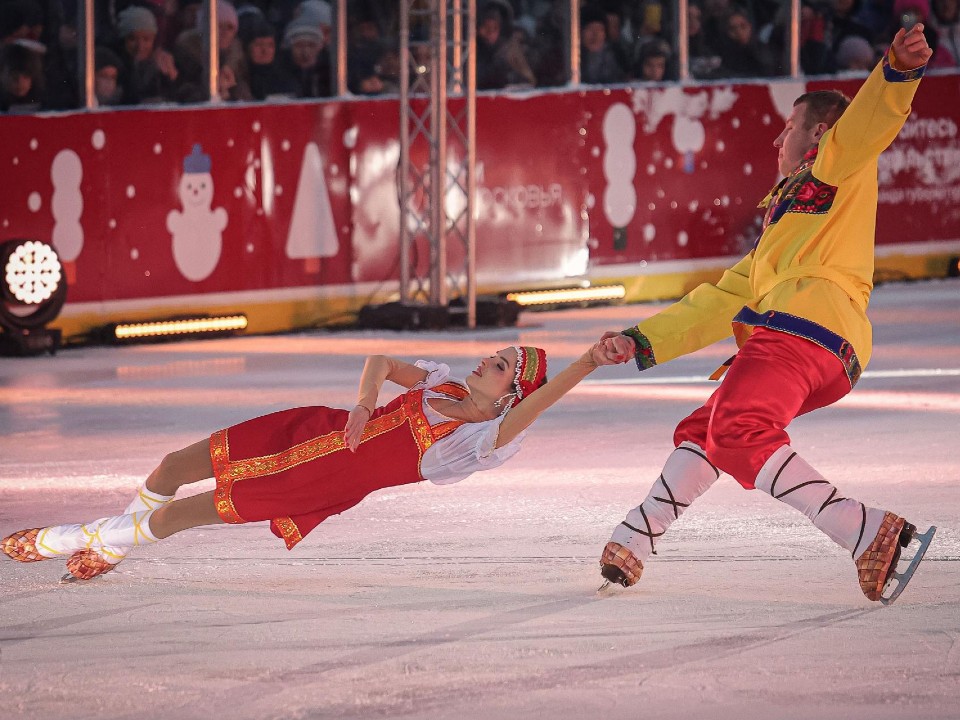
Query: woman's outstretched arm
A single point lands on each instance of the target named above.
(520, 417)
(377, 370)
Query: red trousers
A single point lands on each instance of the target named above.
(774, 378)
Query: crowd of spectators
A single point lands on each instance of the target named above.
(152, 51)
(625, 41)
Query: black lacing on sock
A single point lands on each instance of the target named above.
(776, 477)
(803, 485)
(648, 533)
(700, 455)
(863, 526)
(672, 501)
(830, 501)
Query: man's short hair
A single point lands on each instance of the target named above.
(823, 106)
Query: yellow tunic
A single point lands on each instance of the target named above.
(814, 259)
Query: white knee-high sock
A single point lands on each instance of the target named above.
(790, 479)
(686, 475)
(119, 531)
(146, 499)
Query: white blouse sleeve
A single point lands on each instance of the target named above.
(471, 447)
(436, 374)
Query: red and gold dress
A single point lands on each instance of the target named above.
(294, 469)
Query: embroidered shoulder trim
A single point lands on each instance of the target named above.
(453, 389)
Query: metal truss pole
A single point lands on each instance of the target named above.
(437, 157)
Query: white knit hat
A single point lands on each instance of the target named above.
(136, 18)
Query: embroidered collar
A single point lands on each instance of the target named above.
(808, 159)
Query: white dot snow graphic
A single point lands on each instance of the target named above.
(619, 165)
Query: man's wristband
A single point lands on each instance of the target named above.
(643, 350)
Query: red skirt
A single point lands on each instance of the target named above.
(293, 467)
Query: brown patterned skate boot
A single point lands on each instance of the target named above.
(879, 560)
(22, 546)
(108, 541)
(86, 565)
(619, 565)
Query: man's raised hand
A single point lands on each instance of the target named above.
(910, 49)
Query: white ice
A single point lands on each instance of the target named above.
(479, 600)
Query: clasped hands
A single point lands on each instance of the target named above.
(613, 349)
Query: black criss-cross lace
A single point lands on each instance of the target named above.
(671, 501)
(831, 499)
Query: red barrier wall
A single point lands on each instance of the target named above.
(289, 212)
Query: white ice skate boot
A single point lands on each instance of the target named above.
(873, 537)
(88, 563)
(686, 475)
(89, 542)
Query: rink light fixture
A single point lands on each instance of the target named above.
(32, 294)
(602, 293)
(953, 267)
(178, 328)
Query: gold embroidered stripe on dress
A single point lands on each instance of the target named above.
(289, 531)
(228, 472)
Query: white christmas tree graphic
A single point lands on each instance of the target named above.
(312, 234)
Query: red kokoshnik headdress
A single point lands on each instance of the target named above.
(531, 372)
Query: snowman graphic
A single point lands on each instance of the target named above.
(197, 231)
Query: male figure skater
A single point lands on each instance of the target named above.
(797, 305)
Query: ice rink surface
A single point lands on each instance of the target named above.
(479, 600)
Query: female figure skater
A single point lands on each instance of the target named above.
(298, 467)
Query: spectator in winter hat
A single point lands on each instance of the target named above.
(267, 79)
(652, 63)
(741, 53)
(190, 55)
(181, 15)
(366, 56)
(306, 60)
(500, 59)
(299, 30)
(855, 53)
(598, 63)
(319, 14)
(148, 72)
(21, 77)
(844, 21)
(136, 19)
(107, 68)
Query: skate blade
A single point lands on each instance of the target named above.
(897, 581)
(606, 584)
(69, 579)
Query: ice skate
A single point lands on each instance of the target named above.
(22, 546)
(882, 572)
(87, 564)
(849, 523)
(92, 546)
(106, 543)
(686, 475)
(619, 565)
